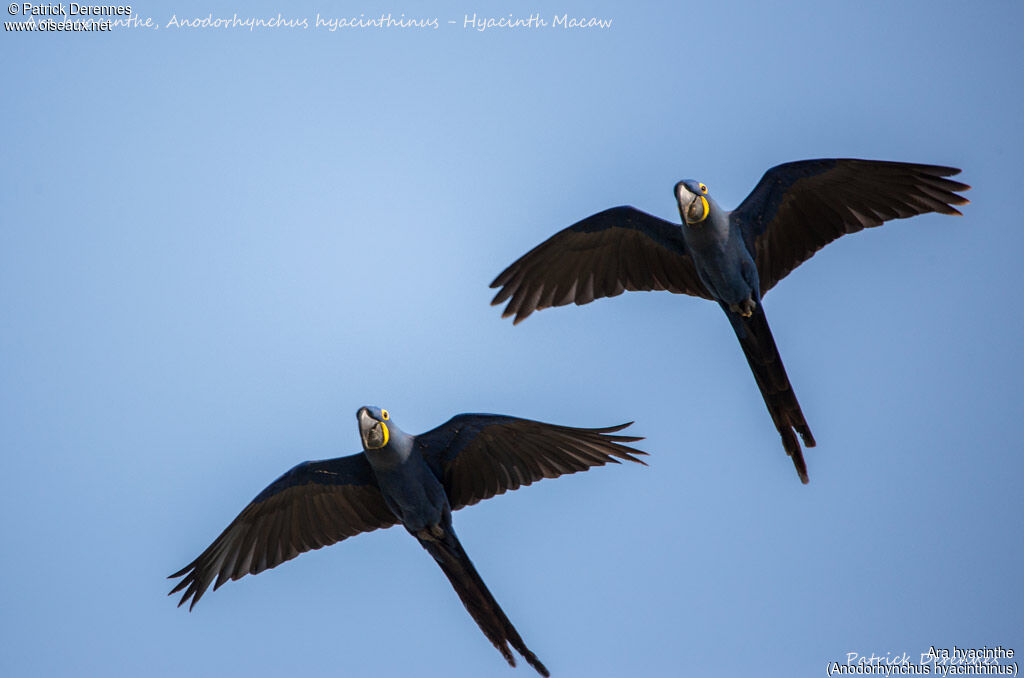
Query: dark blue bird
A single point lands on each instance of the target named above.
(734, 257)
(416, 481)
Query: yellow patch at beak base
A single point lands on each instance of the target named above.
(707, 210)
(387, 437)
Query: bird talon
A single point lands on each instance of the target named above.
(432, 533)
(745, 309)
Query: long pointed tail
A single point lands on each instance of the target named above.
(765, 362)
(456, 565)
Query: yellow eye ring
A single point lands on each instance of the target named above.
(384, 415)
(703, 188)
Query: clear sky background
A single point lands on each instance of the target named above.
(216, 245)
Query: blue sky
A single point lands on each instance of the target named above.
(217, 244)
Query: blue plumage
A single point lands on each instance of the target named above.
(733, 258)
(415, 481)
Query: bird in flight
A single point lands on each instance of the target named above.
(732, 258)
(412, 480)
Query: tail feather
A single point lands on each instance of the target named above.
(765, 362)
(479, 602)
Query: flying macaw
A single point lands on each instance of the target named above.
(732, 258)
(412, 480)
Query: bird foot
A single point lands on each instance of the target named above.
(745, 309)
(432, 533)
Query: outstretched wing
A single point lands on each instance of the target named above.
(480, 455)
(799, 207)
(601, 256)
(315, 504)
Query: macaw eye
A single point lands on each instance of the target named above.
(703, 188)
(384, 415)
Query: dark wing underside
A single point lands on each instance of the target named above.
(799, 207)
(601, 256)
(481, 455)
(315, 504)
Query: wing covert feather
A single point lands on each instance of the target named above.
(478, 456)
(315, 504)
(799, 207)
(619, 249)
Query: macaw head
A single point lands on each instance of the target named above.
(374, 428)
(693, 203)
